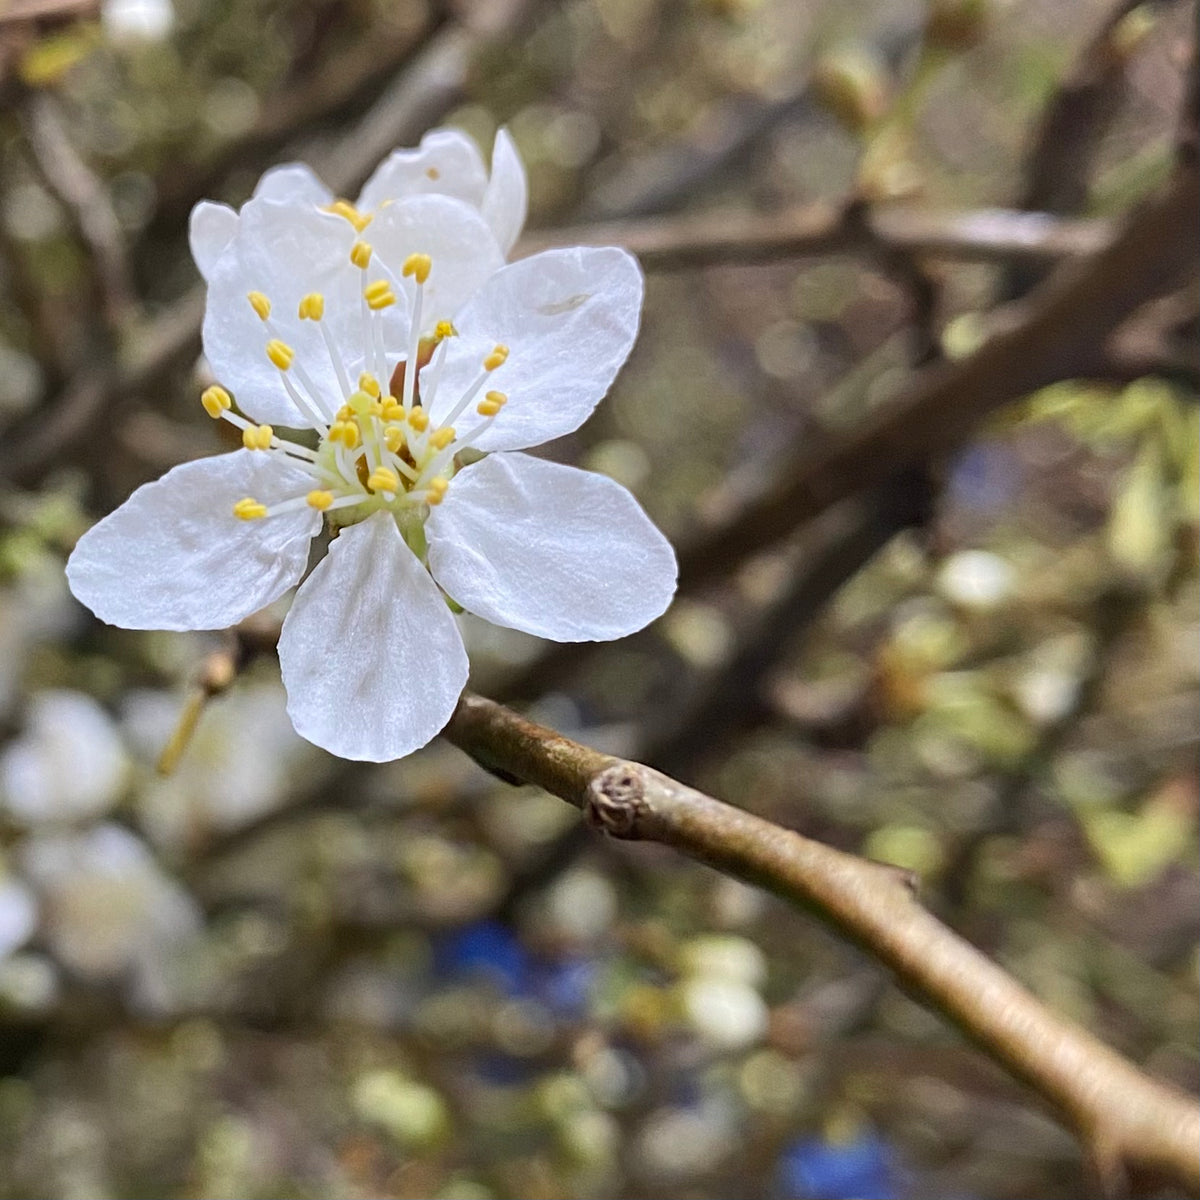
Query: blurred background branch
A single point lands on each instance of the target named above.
(916, 398)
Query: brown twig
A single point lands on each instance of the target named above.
(1058, 334)
(700, 240)
(340, 82)
(1088, 98)
(86, 199)
(1126, 1120)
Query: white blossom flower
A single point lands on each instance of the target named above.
(447, 163)
(315, 327)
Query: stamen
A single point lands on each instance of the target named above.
(335, 357)
(393, 438)
(419, 419)
(379, 295)
(343, 208)
(491, 404)
(376, 333)
(393, 410)
(382, 479)
(418, 266)
(216, 401)
(497, 358)
(249, 509)
(369, 384)
(260, 304)
(319, 420)
(346, 432)
(443, 330)
(280, 353)
(467, 396)
(433, 372)
(436, 490)
(257, 437)
(319, 499)
(312, 307)
(441, 438)
(360, 254)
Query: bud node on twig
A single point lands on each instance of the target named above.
(616, 801)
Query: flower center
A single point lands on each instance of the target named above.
(375, 449)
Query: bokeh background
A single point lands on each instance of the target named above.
(273, 973)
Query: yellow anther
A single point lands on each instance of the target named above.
(379, 294)
(419, 419)
(497, 358)
(444, 329)
(442, 437)
(360, 254)
(249, 509)
(216, 400)
(436, 491)
(260, 304)
(393, 438)
(382, 479)
(319, 500)
(343, 208)
(491, 404)
(368, 383)
(312, 307)
(280, 353)
(346, 432)
(376, 409)
(257, 437)
(345, 413)
(393, 410)
(418, 266)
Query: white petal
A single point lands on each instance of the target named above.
(174, 556)
(371, 656)
(447, 162)
(211, 228)
(507, 197)
(554, 551)
(286, 251)
(293, 183)
(569, 318)
(457, 239)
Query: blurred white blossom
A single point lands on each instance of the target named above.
(108, 911)
(69, 764)
(34, 607)
(18, 915)
(240, 764)
(148, 20)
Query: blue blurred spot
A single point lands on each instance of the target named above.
(565, 988)
(485, 948)
(814, 1169)
(985, 477)
(503, 1070)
